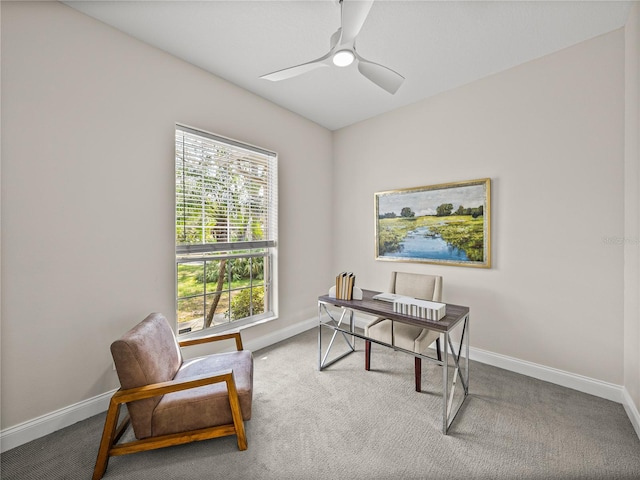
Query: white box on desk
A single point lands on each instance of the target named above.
(420, 308)
(356, 295)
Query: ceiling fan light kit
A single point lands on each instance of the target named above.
(343, 58)
(343, 51)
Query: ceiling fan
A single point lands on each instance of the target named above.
(343, 51)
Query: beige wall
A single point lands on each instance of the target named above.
(632, 209)
(88, 118)
(550, 134)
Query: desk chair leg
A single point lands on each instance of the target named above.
(418, 368)
(418, 374)
(367, 355)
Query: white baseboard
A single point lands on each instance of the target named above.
(49, 423)
(632, 410)
(282, 334)
(44, 425)
(574, 381)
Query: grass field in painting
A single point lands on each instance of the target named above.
(461, 231)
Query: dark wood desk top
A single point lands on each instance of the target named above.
(379, 308)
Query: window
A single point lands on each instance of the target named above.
(226, 231)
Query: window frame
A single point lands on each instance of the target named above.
(216, 251)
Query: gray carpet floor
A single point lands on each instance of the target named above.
(346, 423)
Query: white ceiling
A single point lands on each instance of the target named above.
(435, 45)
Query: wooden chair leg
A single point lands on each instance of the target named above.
(367, 355)
(438, 349)
(418, 374)
(108, 437)
(236, 413)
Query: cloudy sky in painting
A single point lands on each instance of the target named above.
(425, 202)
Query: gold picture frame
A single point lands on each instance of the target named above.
(446, 224)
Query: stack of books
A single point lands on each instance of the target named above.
(420, 308)
(344, 285)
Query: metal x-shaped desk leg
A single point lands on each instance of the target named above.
(447, 398)
(322, 361)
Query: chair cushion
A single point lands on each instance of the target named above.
(425, 339)
(206, 406)
(414, 339)
(379, 329)
(148, 353)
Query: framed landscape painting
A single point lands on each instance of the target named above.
(447, 224)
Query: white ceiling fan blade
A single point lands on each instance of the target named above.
(354, 13)
(335, 38)
(382, 76)
(297, 70)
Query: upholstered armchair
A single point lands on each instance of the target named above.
(408, 337)
(171, 400)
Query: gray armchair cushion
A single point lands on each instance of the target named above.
(206, 406)
(148, 353)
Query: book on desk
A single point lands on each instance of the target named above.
(345, 288)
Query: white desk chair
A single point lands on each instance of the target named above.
(408, 337)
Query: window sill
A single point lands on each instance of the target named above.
(227, 327)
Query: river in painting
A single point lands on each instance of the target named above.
(422, 244)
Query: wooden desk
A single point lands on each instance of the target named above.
(457, 318)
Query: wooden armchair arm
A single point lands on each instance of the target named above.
(214, 338)
(112, 432)
(157, 389)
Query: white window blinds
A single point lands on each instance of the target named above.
(226, 194)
